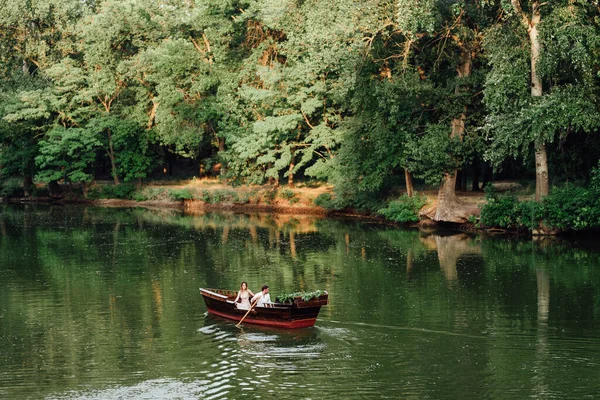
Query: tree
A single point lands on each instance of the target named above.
(33, 35)
(293, 87)
(67, 154)
(454, 29)
(539, 45)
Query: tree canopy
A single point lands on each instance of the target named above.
(365, 94)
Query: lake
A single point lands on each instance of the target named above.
(103, 303)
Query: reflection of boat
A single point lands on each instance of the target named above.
(298, 314)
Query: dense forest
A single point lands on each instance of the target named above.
(364, 94)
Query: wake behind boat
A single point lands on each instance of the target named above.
(297, 312)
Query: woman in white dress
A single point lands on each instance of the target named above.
(244, 295)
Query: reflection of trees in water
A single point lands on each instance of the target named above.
(449, 249)
(542, 352)
(140, 271)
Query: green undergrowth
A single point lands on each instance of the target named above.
(405, 209)
(566, 208)
(10, 188)
(210, 196)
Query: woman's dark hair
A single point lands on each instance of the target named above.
(242, 284)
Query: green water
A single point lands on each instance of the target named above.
(104, 304)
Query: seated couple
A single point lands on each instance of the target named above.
(245, 297)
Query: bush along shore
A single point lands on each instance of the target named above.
(192, 195)
(568, 208)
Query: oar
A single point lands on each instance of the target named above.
(248, 312)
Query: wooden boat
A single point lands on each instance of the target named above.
(296, 314)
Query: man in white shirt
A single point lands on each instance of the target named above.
(262, 298)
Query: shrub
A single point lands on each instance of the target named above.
(326, 201)
(287, 194)
(529, 214)
(243, 198)
(405, 209)
(11, 188)
(152, 193)
(94, 193)
(139, 196)
(568, 208)
(501, 211)
(572, 207)
(181, 194)
(122, 191)
(220, 196)
(269, 196)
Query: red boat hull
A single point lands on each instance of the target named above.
(300, 314)
(300, 323)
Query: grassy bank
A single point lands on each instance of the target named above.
(194, 194)
(507, 206)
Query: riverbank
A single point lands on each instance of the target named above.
(201, 195)
(509, 208)
(211, 194)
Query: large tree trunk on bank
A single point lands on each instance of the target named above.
(111, 156)
(541, 159)
(541, 173)
(447, 208)
(409, 183)
(446, 199)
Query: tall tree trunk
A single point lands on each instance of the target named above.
(291, 172)
(541, 172)
(541, 159)
(409, 183)
(152, 115)
(111, 156)
(446, 197)
(446, 193)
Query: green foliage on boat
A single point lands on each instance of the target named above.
(305, 296)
